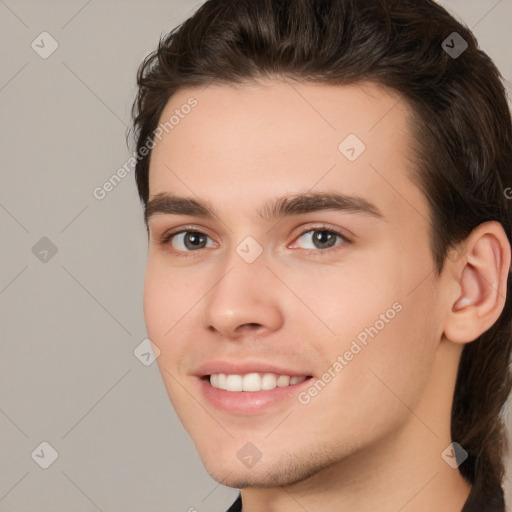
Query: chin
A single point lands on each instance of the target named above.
(286, 470)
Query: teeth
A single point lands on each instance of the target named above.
(234, 382)
(283, 381)
(268, 382)
(253, 381)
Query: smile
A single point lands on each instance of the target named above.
(253, 381)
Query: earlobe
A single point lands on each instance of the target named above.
(481, 274)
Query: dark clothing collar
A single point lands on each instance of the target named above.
(237, 506)
(476, 502)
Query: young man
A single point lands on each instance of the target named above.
(325, 189)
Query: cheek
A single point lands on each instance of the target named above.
(155, 301)
(384, 334)
(373, 389)
(168, 295)
(391, 367)
(164, 306)
(346, 299)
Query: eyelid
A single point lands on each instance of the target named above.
(165, 241)
(166, 238)
(343, 233)
(337, 232)
(167, 235)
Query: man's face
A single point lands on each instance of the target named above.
(345, 297)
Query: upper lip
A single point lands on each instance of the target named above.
(238, 368)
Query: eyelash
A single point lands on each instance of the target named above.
(166, 240)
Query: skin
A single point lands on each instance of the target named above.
(372, 439)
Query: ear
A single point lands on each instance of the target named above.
(479, 278)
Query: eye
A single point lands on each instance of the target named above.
(322, 239)
(186, 241)
(318, 240)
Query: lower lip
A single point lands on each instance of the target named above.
(246, 403)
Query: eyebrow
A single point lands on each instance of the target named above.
(271, 211)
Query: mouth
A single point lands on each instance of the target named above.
(254, 393)
(249, 388)
(253, 382)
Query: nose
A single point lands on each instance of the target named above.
(246, 299)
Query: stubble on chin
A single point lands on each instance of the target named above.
(286, 471)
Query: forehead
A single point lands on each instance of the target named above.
(238, 143)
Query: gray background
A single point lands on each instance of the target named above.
(70, 321)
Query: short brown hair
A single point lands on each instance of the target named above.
(461, 126)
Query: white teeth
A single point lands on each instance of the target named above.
(268, 382)
(234, 383)
(252, 381)
(283, 381)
